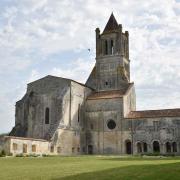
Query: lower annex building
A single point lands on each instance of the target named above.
(62, 116)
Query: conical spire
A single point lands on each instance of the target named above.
(111, 24)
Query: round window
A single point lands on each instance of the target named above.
(111, 124)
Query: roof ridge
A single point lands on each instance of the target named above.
(156, 110)
(58, 77)
(154, 113)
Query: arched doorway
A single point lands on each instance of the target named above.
(156, 147)
(128, 147)
(174, 147)
(168, 147)
(145, 147)
(139, 148)
(90, 149)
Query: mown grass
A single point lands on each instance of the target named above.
(89, 168)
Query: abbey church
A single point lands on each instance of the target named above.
(62, 116)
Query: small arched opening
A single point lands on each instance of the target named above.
(139, 148)
(174, 147)
(156, 147)
(112, 47)
(145, 147)
(106, 47)
(90, 149)
(168, 147)
(128, 147)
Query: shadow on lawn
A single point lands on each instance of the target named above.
(131, 172)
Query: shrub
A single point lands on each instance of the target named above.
(19, 155)
(32, 155)
(3, 153)
(45, 155)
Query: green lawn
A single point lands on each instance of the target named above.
(89, 167)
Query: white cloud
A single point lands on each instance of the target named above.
(78, 70)
(33, 31)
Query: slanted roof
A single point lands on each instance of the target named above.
(111, 24)
(56, 77)
(154, 113)
(106, 94)
(110, 94)
(25, 138)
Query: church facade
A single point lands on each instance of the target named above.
(62, 116)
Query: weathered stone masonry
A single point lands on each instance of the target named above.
(62, 116)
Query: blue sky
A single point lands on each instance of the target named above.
(44, 37)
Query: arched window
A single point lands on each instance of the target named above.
(168, 147)
(156, 147)
(174, 147)
(33, 148)
(112, 47)
(145, 147)
(47, 116)
(128, 147)
(106, 47)
(139, 148)
(79, 106)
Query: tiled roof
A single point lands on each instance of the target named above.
(109, 94)
(111, 24)
(106, 94)
(154, 113)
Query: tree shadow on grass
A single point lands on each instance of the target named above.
(131, 172)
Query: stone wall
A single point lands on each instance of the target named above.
(67, 142)
(147, 130)
(111, 73)
(129, 100)
(70, 138)
(30, 111)
(18, 145)
(63, 98)
(98, 135)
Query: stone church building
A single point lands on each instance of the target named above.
(62, 116)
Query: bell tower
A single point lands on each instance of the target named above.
(112, 57)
